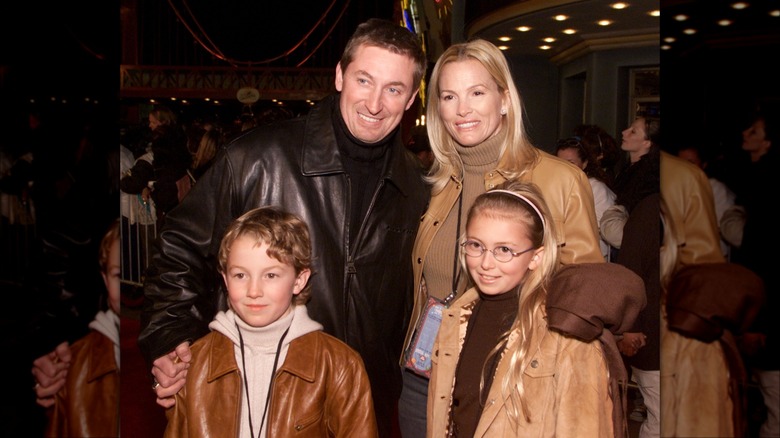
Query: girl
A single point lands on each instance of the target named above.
(498, 370)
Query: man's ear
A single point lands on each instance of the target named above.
(536, 259)
(339, 77)
(301, 280)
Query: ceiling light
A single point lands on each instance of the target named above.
(604, 22)
(670, 39)
(504, 38)
(618, 5)
(724, 22)
(666, 47)
(503, 47)
(739, 5)
(545, 47)
(775, 13)
(549, 40)
(680, 17)
(655, 13)
(689, 31)
(561, 17)
(523, 28)
(569, 31)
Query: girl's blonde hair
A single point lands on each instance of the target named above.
(533, 288)
(517, 153)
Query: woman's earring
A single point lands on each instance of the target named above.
(503, 111)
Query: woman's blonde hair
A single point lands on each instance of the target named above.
(517, 153)
(524, 207)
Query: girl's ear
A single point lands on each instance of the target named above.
(300, 281)
(536, 260)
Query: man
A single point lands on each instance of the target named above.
(344, 170)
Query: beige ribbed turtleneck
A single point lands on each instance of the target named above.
(477, 161)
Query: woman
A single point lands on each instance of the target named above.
(476, 131)
(641, 142)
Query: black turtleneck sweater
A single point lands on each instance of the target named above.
(363, 163)
(493, 315)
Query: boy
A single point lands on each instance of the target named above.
(265, 350)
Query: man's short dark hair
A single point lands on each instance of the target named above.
(390, 36)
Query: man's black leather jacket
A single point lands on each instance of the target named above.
(361, 290)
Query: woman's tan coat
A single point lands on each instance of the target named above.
(566, 383)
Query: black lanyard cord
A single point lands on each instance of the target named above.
(270, 383)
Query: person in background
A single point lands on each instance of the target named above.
(604, 147)
(208, 143)
(749, 227)
(156, 176)
(574, 151)
(475, 127)
(498, 370)
(640, 178)
(640, 344)
(88, 403)
(344, 170)
(293, 378)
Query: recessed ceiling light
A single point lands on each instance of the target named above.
(666, 47)
(561, 17)
(604, 22)
(618, 5)
(670, 39)
(569, 31)
(740, 5)
(655, 13)
(689, 31)
(545, 47)
(775, 13)
(503, 47)
(504, 38)
(680, 17)
(523, 28)
(724, 22)
(549, 40)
